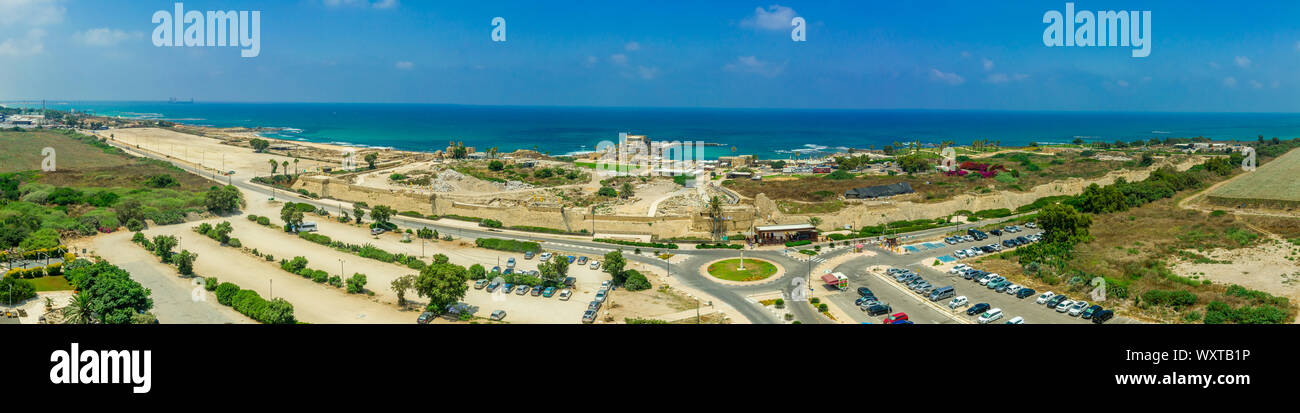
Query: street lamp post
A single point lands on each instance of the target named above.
(340, 268)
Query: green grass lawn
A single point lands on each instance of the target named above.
(51, 283)
(754, 270)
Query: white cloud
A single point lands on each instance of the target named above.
(1242, 61)
(618, 58)
(29, 44)
(775, 17)
(647, 73)
(988, 64)
(632, 46)
(751, 64)
(949, 78)
(378, 4)
(404, 65)
(31, 12)
(1230, 81)
(590, 61)
(105, 36)
(1000, 78)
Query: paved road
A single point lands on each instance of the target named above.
(688, 272)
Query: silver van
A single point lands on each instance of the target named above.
(942, 293)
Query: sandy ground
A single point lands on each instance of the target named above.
(1264, 267)
(646, 195)
(208, 152)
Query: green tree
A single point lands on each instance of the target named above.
(443, 285)
(403, 284)
(358, 212)
(222, 231)
(381, 213)
(278, 311)
(17, 290)
(259, 145)
(370, 159)
(614, 264)
(129, 210)
(1064, 224)
(626, 190)
(496, 165)
(1097, 199)
(162, 247)
(292, 216)
(274, 166)
(607, 192)
(185, 262)
(223, 199)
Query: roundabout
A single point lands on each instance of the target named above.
(731, 271)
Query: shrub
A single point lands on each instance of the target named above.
(226, 292)
(635, 281)
(637, 244)
(507, 245)
(356, 283)
(263, 221)
(210, 283)
(490, 223)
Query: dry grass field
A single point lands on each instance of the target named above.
(1273, 184)
(21, 151)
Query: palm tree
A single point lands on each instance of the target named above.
(286, 167)
(814, 221)
(295, 166)
(274, 165)
(78, 311)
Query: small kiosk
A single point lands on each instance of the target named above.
(837, 280)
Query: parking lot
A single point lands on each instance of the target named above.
(539, 309)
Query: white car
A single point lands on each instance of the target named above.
(1031, 225)
(545, 256)
(595, 265)
(1016, 320)
(959, 254)
(958, 302)
(990, 316)
(1042, 299)
(1064, 306)
(988, 277)
(1078, 308)
(600, 295)
(1013, 289)
(957, 269)
(565, 294)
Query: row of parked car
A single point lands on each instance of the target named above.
(535, 290)
(1001, 284)
(1080, 308)
(593, 307)
(546, 256)
(995, 247)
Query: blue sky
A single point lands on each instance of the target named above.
(858, 54)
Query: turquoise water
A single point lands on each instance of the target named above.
(768, 133)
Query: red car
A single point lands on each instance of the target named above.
(894, 319)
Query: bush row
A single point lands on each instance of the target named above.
(637, 244)
(507, 245)
(249, 303)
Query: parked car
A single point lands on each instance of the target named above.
(990, 316)
(1056, 301)
(510, 262)
(565, 294)
(571, 259)
(977, 308)
(959, 254)
(1025, 292)
(958, 302)
(878, 310)
(1002, 286)
(1017, 320)
(523, 289)
(864, 300)
(493, 286)
(595, 265)
(537, 290)
(895, 318)
(1013, 289)
(497, 315)
(478, 285)
(594, 305)
(601, 295)
(425, 318)
(1042, 299)
(1077, 309)
(548, 292)
(582, 260)
(528, 255)
(569, 281)
(508, 271)
(957, 269)
(546, 256)
(509, 288)
(496, 269)
(589, 317)
(1090, 311)
(864, 291)
(1102, 316)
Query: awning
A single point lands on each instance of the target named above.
(830, 279)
